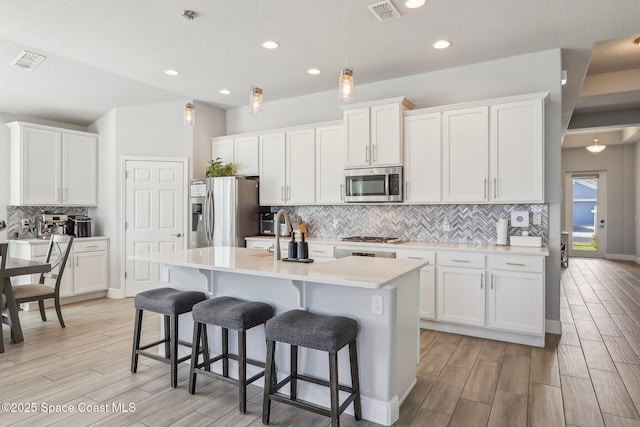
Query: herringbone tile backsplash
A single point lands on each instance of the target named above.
(475, 224)
(15, 214)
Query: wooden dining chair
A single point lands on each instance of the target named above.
(3, 261)
(42, 291)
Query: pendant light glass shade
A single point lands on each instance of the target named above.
(596, 148)
(189, 114)
(345, 85)
(255, 100)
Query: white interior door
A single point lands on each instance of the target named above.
(155, 207)
(586, 213)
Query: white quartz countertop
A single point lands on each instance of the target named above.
(46, 241)
(360, 272)
(461, 247)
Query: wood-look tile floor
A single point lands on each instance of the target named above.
(589, 376)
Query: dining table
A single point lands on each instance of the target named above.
(18, 267)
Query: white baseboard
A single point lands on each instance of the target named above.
(115, 293)
(636, 259)
(553, 327)
(621, 257)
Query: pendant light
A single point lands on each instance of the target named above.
(345, 81)
(255, 100)
(255, 92)
(596, 148)
(189, 110)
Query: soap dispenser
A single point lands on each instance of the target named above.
(293, 247)
(303, 249)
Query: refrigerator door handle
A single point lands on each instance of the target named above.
(211, 216)
(206, 215)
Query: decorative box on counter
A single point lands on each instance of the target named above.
(531, 241)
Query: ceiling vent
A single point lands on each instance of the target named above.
(384, 10)
(27, 60)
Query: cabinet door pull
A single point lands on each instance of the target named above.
(415, 257)
(374, 151)
(92, 246)
(460, 260)
(482, 281)
(406, 190)
(515, 263)
(485, 188)
(282, 193)
(492, 279)
(341, 191)
(495, 187)
(366, 153)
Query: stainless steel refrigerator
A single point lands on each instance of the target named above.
(223, 211)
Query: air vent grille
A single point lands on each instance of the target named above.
(384, 10)
(27, 60)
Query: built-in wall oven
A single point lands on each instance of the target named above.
(373, 185)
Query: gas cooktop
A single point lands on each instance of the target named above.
(370, 239)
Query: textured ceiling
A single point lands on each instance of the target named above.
(104, 54)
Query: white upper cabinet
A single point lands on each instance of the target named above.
(79, 172)
(243, 152)
(517, 152)
(330, 165)
(301, 167)
(373, 133)
(422, 153)
(52, 166)
(247, 159)
(465, 159)
(272, 169)
(223, 148)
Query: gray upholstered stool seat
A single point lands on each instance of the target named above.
(170, 303)
(320, 332)
(227, 313)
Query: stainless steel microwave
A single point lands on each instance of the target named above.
(373, 185)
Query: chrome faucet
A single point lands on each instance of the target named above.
(276, 226)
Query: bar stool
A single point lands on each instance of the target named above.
(170, 303)
(228, 313)
(320, 332)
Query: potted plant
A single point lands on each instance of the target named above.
(218, 168)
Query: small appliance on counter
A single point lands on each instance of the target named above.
(267, 225)
(48, 224)
(79, 226)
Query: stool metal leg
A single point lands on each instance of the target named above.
(333, 386)
(242, 371)
(225, 352)
(293, 385)
(136, 340)
(173, 336)
(197, 330)
(355, 380)
(167, 329)
(269, 381)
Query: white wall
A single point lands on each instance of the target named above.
(536, 72)
(155, 130)
(619, 163)
(212, 125)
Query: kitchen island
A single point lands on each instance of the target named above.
(381, 294)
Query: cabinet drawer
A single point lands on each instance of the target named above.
(417, 254)
(461, 259)
(320, 250)
(517, 263)
(262, 243)
(94, 245)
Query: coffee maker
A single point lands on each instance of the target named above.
(48, 224)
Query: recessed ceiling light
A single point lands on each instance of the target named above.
(171, 72)
(313, 71)
(269, 44)
(413, 4)
(442, 44)
(225, 91)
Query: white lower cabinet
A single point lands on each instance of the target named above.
(516, 294)
(91, 267)
(461, 295)
(427, 280)
(87, 268)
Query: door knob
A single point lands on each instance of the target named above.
(177, 234)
